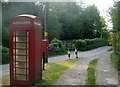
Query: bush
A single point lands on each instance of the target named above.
(115, 59)
(80, 44)
(5, 55)
(56, 47)
(89, 41)
(5, 37)
(69, 44)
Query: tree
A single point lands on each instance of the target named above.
(65, 20)
(91, 22)
(115, 12)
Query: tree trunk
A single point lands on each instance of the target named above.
(114, 41)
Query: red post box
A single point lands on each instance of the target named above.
(25, 50)
(44, 45)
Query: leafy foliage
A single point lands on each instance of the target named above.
(5, 37)
(80, 44)
(65, 20)
(56, 47)
(115, 60)
(115, 15)
(88, 44)
(5, 55)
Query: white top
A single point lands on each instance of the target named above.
(68, 52)
(75, 50)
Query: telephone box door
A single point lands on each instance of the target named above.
(20, 59)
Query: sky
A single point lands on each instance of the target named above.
(103, 6)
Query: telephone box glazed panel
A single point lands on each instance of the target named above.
(25, 53)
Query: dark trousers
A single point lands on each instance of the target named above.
(76, 54)
(69, 56)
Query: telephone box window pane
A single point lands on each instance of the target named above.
(13, 51)
(21, 65)
(14, 58)
(13, 45)
(13, 39)
(21, 58)
(21, 39)
(20, 77)
(14, 70)
(20, 71)
(23, 52)
(21, 45)
(21, 32)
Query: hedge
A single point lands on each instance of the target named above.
(56, 47)
(88, 44)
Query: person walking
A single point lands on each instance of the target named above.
(76, 53)
(69, 54)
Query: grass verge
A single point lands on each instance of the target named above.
(52, 54)
(91, 78)
(51, 73)
(115, 60)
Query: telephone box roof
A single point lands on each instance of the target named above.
(27, 15)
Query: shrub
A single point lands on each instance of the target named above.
(80, 44)
(89, 41)
(115, 59)
(69, 44)
(5, 55)
(56, 47)
(5, 37)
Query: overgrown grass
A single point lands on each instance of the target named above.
(115, 60)
(91, 78)
(5, 80)
(51, 73)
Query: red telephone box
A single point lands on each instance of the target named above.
(25, 50)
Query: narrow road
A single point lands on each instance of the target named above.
(85, 54)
